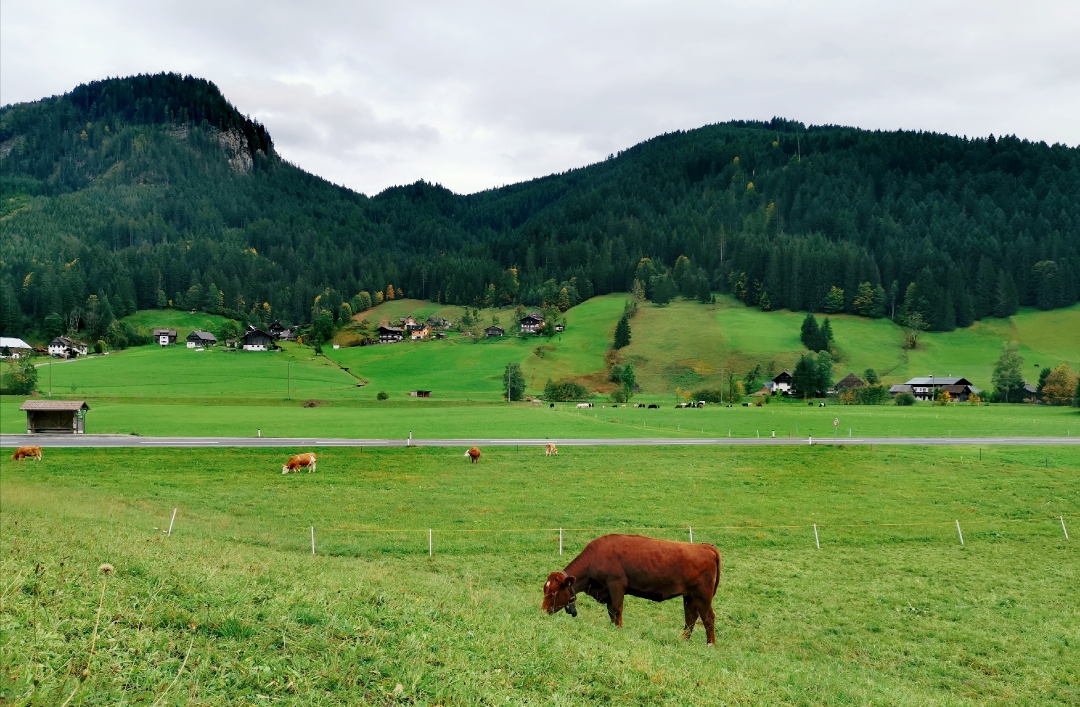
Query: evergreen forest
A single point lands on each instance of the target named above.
(154, 191)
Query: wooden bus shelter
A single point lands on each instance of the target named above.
(55, 416)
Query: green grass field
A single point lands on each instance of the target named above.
(440, 420)
(171, 372)
(233, 608)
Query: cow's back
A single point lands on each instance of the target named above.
(654, 569)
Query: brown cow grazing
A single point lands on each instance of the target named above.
(613, 566)
(473, 453)
(298, 462)
(551, 450)
(27, 453)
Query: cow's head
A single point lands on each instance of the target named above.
(559, 594)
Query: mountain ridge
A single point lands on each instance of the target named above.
(159, 190)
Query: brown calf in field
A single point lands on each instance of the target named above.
(551, 450)
(474, 454)
(299, 461)
(26, 453)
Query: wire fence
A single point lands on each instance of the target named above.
(360, 541)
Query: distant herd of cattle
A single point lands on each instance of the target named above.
(608, 569)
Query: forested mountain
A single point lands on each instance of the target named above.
(153, 190)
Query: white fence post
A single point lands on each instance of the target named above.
(430, 550)
(959, 532)
(1062, 519)
(691, 534)
(816, 540)
(560, 541)
(313, 540)
(171, 521)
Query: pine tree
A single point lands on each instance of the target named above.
(622, 333)
(810, 334)
(804, 377)
(834, 301)
(864, 300)
(825, 336)
(1008, 299)
(877, 309)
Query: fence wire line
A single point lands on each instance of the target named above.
(682, 528)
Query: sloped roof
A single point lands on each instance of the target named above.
(938, 380)
(850, 381)
(202, 336)
(61, 405)
(168, 332)
(13, 343)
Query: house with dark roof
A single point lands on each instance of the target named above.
(255, 339)
(782, 384)
(55, 416)
(390, 334)
(532, 323)
(200, 338)
(494, 331)
(849, 381)
(165, 337)
(927, 387)
(64, 347)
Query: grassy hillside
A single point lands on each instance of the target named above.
(146, 320)
(462, 367)
(234, 608)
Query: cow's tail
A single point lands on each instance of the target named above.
(716, 580)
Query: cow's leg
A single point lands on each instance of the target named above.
(708, 617)
(690, 610)
(616, 590)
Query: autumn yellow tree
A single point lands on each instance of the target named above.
(1060, 386)
(390, 292)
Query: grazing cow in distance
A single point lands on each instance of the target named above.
(27, 453)
(654, 407)
(551, 405)
(613, 566)
(551, 450)
(473, 453)
(298, 462)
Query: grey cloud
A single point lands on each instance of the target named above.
(478, 94)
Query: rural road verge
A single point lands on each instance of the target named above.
(134, 441)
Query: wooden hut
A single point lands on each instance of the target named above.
(55, 416)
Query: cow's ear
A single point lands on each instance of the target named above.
(569, 582)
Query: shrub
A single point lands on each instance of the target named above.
(383, 395)
(905, 399)
(22, 378)
(709, 395)
(564, 391)
(870, 394)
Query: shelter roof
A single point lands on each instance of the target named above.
(62, 405)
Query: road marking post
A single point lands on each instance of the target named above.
(429, 548)
(959, 532)
(560, 541)
(816, 540)
(171, 522)
(313, 540)
(691, 534)
(1062, 519)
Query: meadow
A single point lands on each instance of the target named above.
(434, 419)
(146, 320)
(233, 607)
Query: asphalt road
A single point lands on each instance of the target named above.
(293, 442)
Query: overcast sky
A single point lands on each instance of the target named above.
(478, 94)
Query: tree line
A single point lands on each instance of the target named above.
(153, 191)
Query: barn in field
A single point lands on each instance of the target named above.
(55, 416)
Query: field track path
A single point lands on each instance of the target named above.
(134, 441)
